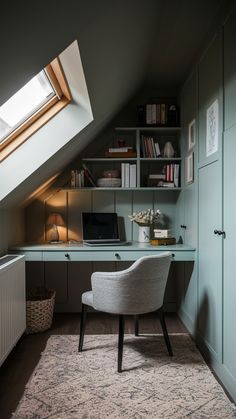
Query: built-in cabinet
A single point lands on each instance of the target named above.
(213, 324)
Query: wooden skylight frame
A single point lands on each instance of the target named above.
(44, 114)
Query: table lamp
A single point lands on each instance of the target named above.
(55, 219)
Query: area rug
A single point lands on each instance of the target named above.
(67, 384)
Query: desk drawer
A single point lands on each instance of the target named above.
(31, 256)
(109, 255)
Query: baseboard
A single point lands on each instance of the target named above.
(187, 321)
(222, 373)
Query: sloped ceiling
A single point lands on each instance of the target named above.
(123, 44)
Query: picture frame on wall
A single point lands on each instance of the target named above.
(189, 163)
(191, 134)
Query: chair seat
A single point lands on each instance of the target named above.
(87, 298)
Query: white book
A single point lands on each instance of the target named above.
(126, 175)
(162, 233)
(157, 149)
(123, 175)
(133, 176)
(176, 175)
(119, 149)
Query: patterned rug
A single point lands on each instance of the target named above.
(67, 384)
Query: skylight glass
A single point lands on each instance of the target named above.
(23, 104)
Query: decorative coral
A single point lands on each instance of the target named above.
(145, 218)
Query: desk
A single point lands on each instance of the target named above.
(46, 266)
(82, 253)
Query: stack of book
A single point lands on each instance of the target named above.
(82, 177)
(168, 178)
(120, 152)
(128, 175)
(163, 237)
(158, 114)
(149, 147)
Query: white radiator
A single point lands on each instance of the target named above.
(12, 302)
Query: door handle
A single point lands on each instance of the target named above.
(183, 226)
(220, 233)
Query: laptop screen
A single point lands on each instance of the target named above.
(100, 226)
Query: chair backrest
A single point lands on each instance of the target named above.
(136, 290)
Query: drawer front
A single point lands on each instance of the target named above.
(31, 256)
(110, 255)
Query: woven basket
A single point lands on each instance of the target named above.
(39, 310)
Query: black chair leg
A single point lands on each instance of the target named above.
(120, 341)
(165, 333)
(136, 325)
(82, 326)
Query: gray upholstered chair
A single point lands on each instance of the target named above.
(137, 290)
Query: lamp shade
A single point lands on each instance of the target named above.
(55, 218)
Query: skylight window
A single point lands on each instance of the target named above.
(32, 106)
(23, 104)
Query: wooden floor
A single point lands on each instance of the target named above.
(18, 367)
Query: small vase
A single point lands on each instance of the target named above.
(144, 234)
(169, 151)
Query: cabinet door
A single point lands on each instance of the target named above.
(210, 259)
(229, 338)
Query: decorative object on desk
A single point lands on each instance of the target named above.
(163, 242)
(144, 234)
(145, 219)
(168, 151)
(55, 219)
(189, 168)
(162, 233)
(191, 134)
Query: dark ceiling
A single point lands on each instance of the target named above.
(183, 27)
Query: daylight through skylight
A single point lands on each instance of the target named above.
(30, 98)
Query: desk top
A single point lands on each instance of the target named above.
(80, 247)
(80, 252)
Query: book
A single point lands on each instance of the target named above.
(88, 175)
(124, 154)
(162, 233)
(168, 184)
(157, 176)
(127, 175)
(157, 149)
(163, 241)
(119, 149)
(132, 176)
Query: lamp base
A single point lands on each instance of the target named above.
(56, 242)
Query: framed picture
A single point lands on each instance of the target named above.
(212, 129)
(189, 169)
(191, 134)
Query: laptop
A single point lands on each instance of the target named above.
(101, 228)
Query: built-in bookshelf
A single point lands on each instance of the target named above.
(144, 163)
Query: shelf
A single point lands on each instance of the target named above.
(109, 159)
(157, 159)
(121, 189)
(149, 128)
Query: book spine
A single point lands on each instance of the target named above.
(126, 175)
(133, 176)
